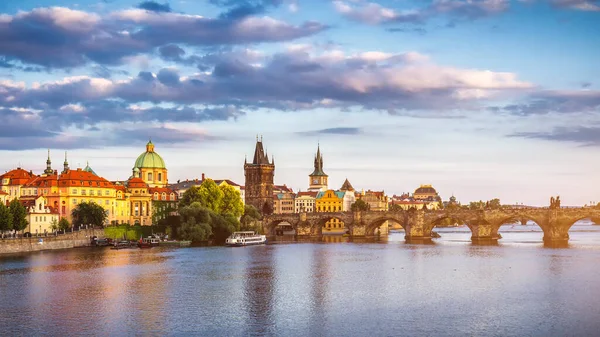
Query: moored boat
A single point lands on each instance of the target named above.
(148, 242)
(245, 238)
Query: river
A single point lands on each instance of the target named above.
(329, 287)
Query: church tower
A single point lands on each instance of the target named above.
(259, 180)
(48, 171)
(317, 181)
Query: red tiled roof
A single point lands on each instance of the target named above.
(3, 193)
(282, 188)
(17, 176)
(74, 178)
(136, 182)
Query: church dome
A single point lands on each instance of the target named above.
(425, 189)
(150, 159)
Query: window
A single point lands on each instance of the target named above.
(92, 192)
(74, 191)
(107, 202)
(107, 192)
(149, 176)
(160, 177)
(74, 201)
(83, 192)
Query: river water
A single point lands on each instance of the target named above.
(327, 288)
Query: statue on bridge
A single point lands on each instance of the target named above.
(554, 203)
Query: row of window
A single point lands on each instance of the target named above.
(91, 192)
(329, 208)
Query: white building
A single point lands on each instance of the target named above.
(40, 216)
(305, 202)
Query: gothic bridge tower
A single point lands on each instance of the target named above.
(259, 179)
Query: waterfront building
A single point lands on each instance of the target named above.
(331, 201)
(259, 175)
(152, 168)
(317, 180)
(377, 201)
(140, 200)
(3, 197)
(12, 181)
(426, 192)
(66, 190)
(283, 202)
(305, 202)
(40, 216)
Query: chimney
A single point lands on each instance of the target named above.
(202, 176)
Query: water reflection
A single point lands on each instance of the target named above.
(319, 289)
(259, 285)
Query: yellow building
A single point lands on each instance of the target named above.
(331, 201)
(3, 197)
(377, 201)
(40, 216)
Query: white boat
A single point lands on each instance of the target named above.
(245, 239)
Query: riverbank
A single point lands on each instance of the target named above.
(51, 242)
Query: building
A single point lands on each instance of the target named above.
(259, 177)
(4, 197)
(152, 168)
(426, 192)
(12, 181)
(305, 202)
(317, 180)
(331, 201)
(377, 201)
(40, 216)
(347, 187)
(283, 202)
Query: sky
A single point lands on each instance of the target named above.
(480, 98)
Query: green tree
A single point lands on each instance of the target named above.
(211, 196)
(231, 202)
(63, 224)
(19, 215)
(5, 218)
(190, 196)
(88, 213)
(251, 215)
(161, 210)
(360, 206)
(54, 225)
(195, 223)
(495, 204)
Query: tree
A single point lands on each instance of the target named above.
(190, 196)
(19, 215)
(63, 224)
(5, 218)
(195, 223)
(360, 206)
(208, 194)
(232, 201)
(251, 215)
(54, 225)
(495, 204)
(88, 213)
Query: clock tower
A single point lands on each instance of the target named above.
(317, 181)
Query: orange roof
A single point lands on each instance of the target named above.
(71, 178)
(3, 193)
(120, 188)
(161, 190)
(17, 176)
(136, 182)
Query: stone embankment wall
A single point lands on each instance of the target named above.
(68, 240)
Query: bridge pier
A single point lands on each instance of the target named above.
(482, 232)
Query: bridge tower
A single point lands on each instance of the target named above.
(259, 179)
(317, 180)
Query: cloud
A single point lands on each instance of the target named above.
(555, 101)
(155, 6)
(333, 131)
(584, 135)
(582, 5)
(58, 37)
(375, 14)
(291, 80)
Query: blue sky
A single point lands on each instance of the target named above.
(482, 99)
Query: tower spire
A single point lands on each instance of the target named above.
(65, 164)
(48, 169)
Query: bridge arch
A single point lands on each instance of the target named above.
(331, 223)
(272, 224)
(373, 224)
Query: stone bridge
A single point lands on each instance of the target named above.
(418, 224)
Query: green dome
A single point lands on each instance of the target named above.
(150, 159)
